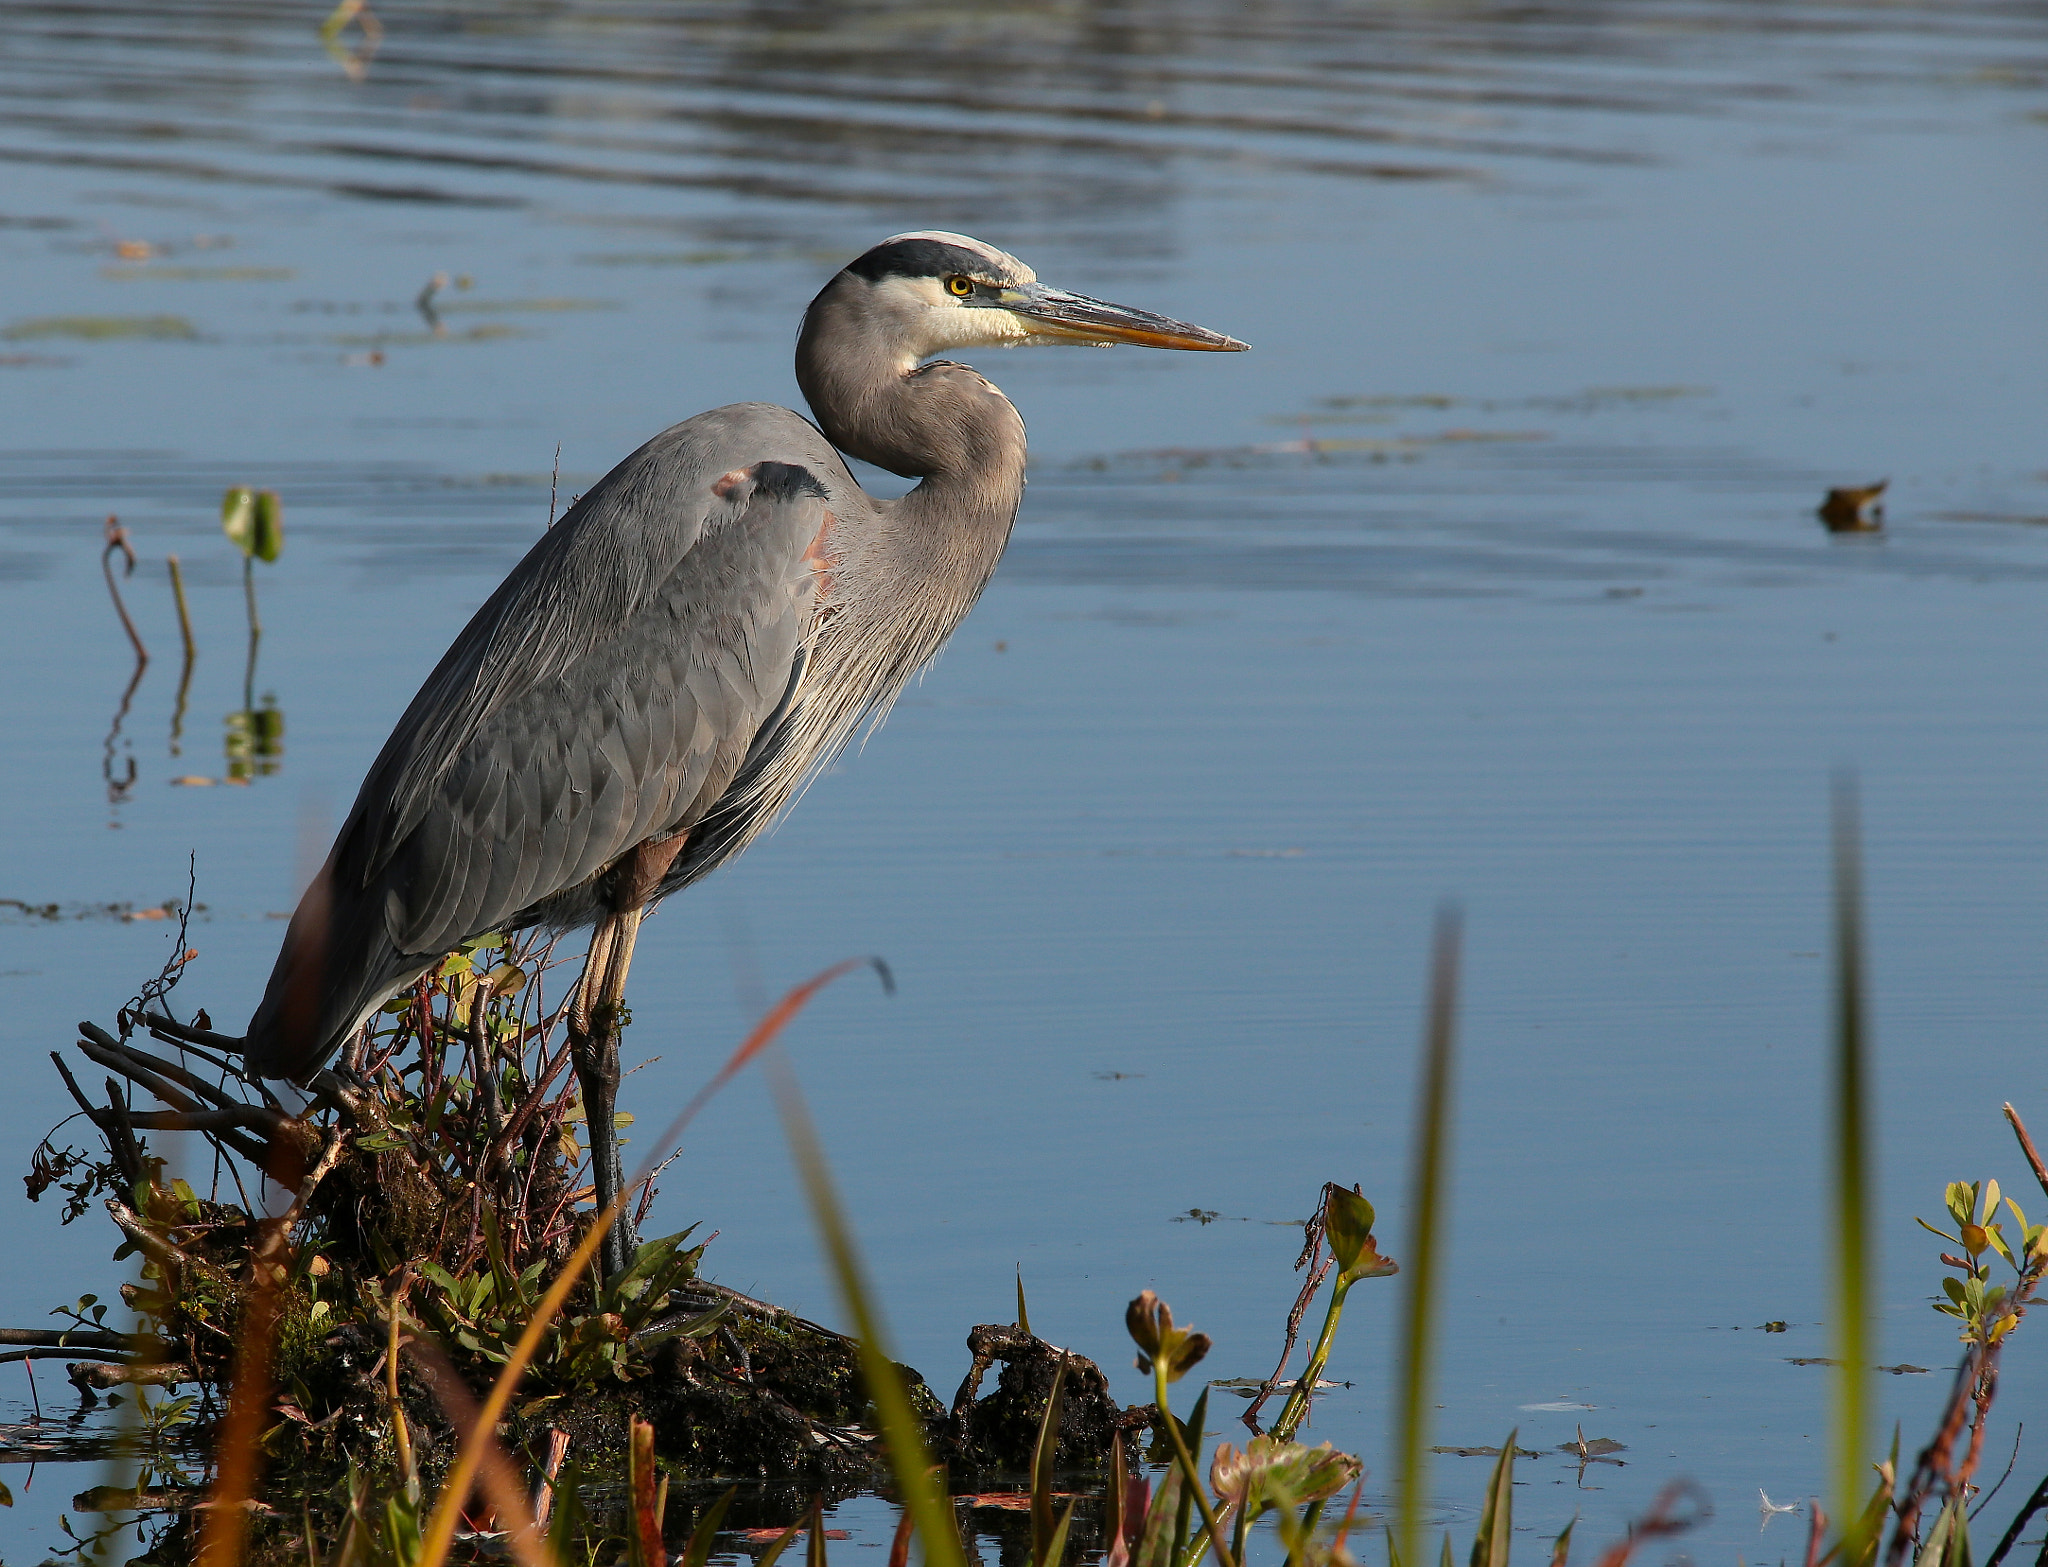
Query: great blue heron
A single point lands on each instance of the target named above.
(697, 636)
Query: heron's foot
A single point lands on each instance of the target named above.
(340, 1085)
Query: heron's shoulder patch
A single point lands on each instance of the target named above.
(770, 480)
(786, 481)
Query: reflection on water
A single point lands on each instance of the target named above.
(117, 752)
(1493, 570)
(255, 738)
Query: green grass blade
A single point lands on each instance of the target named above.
(1042, 1521)
(1169, 1504)
(1023, 1316)
(901, 1432)
(1497, 1518)
(814, 1539)
(1561, 1547)
(782, 1543)
(698, 1551)
(1429, 1160)
(1056, 1547)
(1854, 1270)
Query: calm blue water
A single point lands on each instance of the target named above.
(1491, 574)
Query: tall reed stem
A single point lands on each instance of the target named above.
(1296, 1408)
(1190, 1476)
(1854, 1263)
(1425, 1208)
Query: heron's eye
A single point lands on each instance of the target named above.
(959, 287)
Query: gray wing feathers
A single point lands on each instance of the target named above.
(615, 746)
(608, 691)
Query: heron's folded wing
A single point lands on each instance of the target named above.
(606, 693)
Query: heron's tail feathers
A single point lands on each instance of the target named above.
(330, 976)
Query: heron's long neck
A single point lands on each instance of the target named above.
(942, 424)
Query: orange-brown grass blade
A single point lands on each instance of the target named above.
(649, 1549)
(904, 1438)
(1662, 1521)
(899, 1546)
(496, 1477)
(764, 1032)
(440, 1533)
(224, 1534)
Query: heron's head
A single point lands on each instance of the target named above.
(930, 291)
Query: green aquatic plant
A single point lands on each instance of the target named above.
(253, 520)
(1347, 1225)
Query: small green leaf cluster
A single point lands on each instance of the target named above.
(1973, 1299)
(484, 1312)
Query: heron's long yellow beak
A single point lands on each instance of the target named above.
(1053, 315)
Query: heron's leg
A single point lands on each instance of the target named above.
(597, 1018)
(607, 1022)
(594, 1052)
(594, 1025)
(590, 1034)
(625, 932)
(592, 981)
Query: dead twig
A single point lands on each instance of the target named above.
(71, 1338)
(2012, 1459)
(103, 1120)
(2033, 1504)
(330, 1156)
(130, 1223)
(2019, 1130)
(1662, 1519)
(116, 538)
(1311, 1250)
(155, 1073)
(99, 1375)
(48, 1353)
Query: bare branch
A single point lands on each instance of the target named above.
(2019, 1130)
(98, 1375)
(131, 1225)
(70, 1338)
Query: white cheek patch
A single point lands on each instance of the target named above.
(974, 326)
(940, 322)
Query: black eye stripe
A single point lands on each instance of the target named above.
(916, 258)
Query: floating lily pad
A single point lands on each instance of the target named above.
(198, 274)
(501, 307)
(102, 329)
(1485, 1452)
(664, 258)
